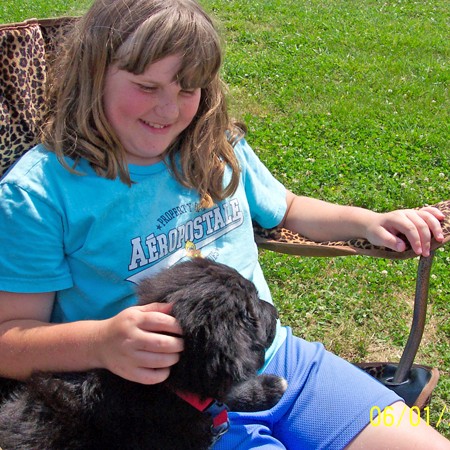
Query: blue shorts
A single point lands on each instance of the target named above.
(326, 405)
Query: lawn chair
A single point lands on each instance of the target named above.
(27, 49)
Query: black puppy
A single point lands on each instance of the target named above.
(226, 329)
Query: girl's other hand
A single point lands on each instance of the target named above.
(418, 226)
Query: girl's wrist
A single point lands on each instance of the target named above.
(96, 353)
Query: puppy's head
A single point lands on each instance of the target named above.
(226, 327)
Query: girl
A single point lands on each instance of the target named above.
(138, 168)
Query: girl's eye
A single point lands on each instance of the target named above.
(146, 88)
(189, 91)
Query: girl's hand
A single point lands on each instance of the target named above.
(141, 343)
(418, 226)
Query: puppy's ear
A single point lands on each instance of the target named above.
(268, 316)
(171, 283)
(148, 292)
(163, 286)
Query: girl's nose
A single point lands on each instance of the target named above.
(167, 108)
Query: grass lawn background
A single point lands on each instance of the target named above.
(346, 101)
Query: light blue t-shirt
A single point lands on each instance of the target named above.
(92, 239)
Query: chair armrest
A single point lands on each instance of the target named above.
(282, 240)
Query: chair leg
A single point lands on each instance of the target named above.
(413, 382)
(418, 322)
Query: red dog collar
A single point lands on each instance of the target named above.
(216, 410)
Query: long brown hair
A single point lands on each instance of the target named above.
(132, 34)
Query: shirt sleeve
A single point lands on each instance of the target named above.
(31, 243)
(265, 194)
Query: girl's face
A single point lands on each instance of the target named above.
(149, 111)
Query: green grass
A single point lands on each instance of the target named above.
(347, 101)
(16, 11)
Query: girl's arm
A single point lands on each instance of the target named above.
(130, 344)
(322, 221)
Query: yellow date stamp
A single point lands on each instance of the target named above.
(386, 417)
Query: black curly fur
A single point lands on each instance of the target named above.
(226, 329)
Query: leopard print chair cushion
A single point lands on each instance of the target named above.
(25, 51)
(22, 53)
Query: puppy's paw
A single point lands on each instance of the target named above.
(257, 394)
(273, 387)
